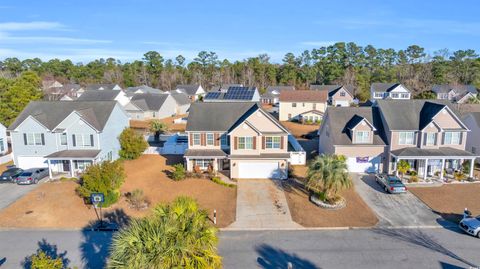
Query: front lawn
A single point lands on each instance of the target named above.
(56, 205)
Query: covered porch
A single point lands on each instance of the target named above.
(70, 163)
(433, 163)
(206, 160)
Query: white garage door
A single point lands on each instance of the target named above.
(31, 162)
(260, 170)
(342, 103)
(364, 164)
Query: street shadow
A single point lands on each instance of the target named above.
(275, 258)
(419, 238)
(445, 265)
(95, 245)
(454, 218)
(50, 250)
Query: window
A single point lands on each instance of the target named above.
(474, 150)
(63, 139)
(2, 146)
(83, 140)
(203, 163)
(289, 116)
(245, 142)
(314, 106)
(378, 95)
(272, 142)
(431, 139)
(34, 139)
(394, 95)
(210, 139)
(303, 105)
(196, 139)
(342, 94)
(362, 137)
(452, 138)
(294, 104)
(224, 140)
(405, 95)
(406, 138)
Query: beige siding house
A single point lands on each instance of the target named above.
(472, 120)
(338, 95)
(294, 103)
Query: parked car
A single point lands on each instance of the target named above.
(10, 175)
(469, 224)
(391, 184)
(32, 176)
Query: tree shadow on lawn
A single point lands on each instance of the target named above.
(95, 246)
(50, 250)
(275, 258)
(173, 159)
(419, 238)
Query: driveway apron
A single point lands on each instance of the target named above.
(261, 204)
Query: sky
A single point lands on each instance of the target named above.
(125, 29)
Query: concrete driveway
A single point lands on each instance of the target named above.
(261, 204)
(394, 210)
(10, 192)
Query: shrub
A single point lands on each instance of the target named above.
(41, 260)
(220, 182)
(413, 173)
(137, 199)
(105, 177)
(413, 179)
(132, 144)
(459, 175)
(179, 173)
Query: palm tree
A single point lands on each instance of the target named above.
(403, 167)
(327, 175)
(158, 128)
(178, 235)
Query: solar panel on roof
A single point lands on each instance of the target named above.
(212, 95)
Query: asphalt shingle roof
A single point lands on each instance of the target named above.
(217, 116)
(149, 101)
(459, 89)
(385, 87)
(303, 96)
(180, 98)
(442, 152)
(98, 86)
(189, 89)
(331, 89)
(98, 95)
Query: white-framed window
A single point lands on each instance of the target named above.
(406, 138)
(224, 140)
(294, 104)
(210, 139)
(196, 139)
(362, 136)
(272, 142)
(405, 95)
(245, 142)
(33, 139)
(2, 146)
(203, 163)
(342, 94)
(83, 140)
(63, 139)
(394, 95)
(431, 139)
(378, 95)
(452, 138)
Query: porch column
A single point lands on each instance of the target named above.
(442, 168)
(215, 164)
(395, 166)
(426, 170)
(472, 165)
(49, 169)
(72, 174)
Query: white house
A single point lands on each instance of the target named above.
(396, 91)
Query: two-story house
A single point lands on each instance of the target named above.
(143, 106)
(272, 94)
(302, 105)
(237, 138)
(338, 95)
(395, 91)
(101, 95)
(427, 134)
(3, 140)
(472, 120)
(455, 93)
(105, 86)
(193, 91)
(234, 94)
(67, 136)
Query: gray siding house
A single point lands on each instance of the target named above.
(3, 140)
(67, 136)
(146, 106)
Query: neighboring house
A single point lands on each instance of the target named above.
(194, 91)
(272, 94)
(67, 92)
(110, 86)
(302, 105)
(51, 83)
(234, 94)
(338, 95)
(455, 93)
(237, 138)
(151, 106)
(3, 140)
(224, 87)
(472, 120)
(183, 103)
(101, 95)
(395, 91)
(67, 136)
(427, 134)
(130, 91)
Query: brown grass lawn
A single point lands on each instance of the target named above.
(450, 200)
(55, 204)
(3, 167)
(297, 129)
(173, 127)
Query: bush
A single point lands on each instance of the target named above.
(41, 260)
(105, 177)
(220, 182)
(459, 175)
(137, 199)
(179, 173)
(132, 144)
(413, 179)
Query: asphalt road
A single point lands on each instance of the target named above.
(370, 248)
(10, 192)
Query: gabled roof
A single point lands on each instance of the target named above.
(331, 89)
(385, 87)
(233, 94)
(217, 116)
(51, 113)
(304, 96)
(108, 86)
(130, 91)
(181, 98)
(189, 89)
(149, 101)
(280, 88)
(459, 89)
(475, 116)
(98, 95)
(356, 120)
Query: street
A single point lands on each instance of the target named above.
(366, 248)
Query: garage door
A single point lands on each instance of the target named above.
(363, 164)
(342, 103)
(260, 170)
(31, 162)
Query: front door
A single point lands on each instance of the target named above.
(66, 165)
(224, 164)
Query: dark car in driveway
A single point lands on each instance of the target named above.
(10, 175)
(391, 184)
(31, 176)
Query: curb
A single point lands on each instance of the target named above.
(337, 228)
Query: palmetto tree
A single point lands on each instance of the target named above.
(158, 128)
(327, 175)
(403, 167)
(178, 235)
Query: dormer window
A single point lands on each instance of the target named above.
(342, 94)
(362, 137)
(431, 139)
(452, 138)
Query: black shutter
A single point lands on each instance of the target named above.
(43, 139)
(74, 142)
(25, 138)
(91, 140)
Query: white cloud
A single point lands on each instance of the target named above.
(34, 25)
